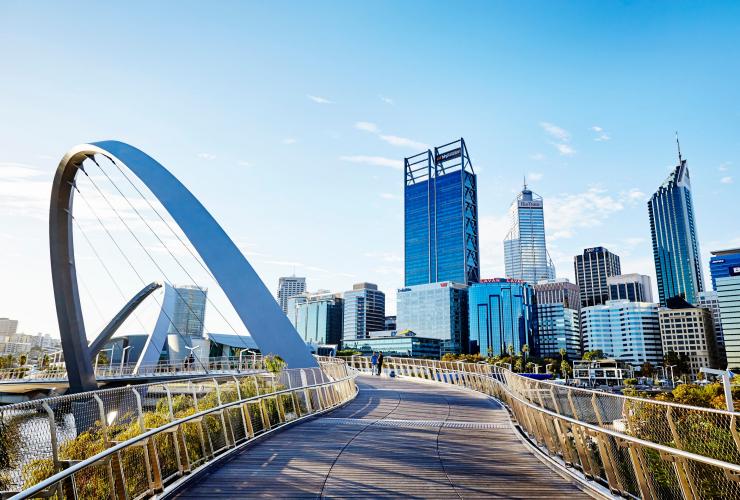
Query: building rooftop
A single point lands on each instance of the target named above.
(730, 251)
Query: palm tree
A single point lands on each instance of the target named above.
(525, 350)
(511, 349)
(563, 352)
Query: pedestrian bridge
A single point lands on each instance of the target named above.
(434, 430)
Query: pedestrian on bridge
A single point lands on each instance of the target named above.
(374, 362)
(380, 363)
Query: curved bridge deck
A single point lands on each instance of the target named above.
(396, 439)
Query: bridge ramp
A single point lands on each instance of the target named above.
(396, 439)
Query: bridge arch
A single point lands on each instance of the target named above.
(252, 301)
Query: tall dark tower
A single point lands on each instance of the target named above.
(441, 216)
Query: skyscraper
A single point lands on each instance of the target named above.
(728, 294)
(525, 252)
(502, 313)
(634, 287)
(438, 311)
(289, 287)
(592, 269)
(441, 217)
(673, 230)
(708, 299)
(364, 311)
(558, 305)
(688, 330)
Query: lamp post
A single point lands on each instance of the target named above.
(123, 359)
(725, 374)
(253, 353)
(97, 358)
(191, 349)
(673, 379)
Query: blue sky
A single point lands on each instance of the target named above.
(290, 120)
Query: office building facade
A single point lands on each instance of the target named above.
(319, 317)
(435, 310)
(441, 217)
(721, 264)
(624, 330)
(525, 251)
(288, 287)
(592, 268)
(558, 305)
(364, 311)
(187, 322)
(502, 313)
(398, 345)
(728, 295)
(633, 287)
(673, 231)
(689, 330)
(709, 300)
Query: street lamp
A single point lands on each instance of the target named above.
(123, 358)
(673, 379)
(725, 374)
(253, 353)
(97, 358)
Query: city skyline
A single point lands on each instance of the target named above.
(360, 131)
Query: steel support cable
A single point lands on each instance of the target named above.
(174, 257)
(131, 265)
(143, 247)
(102, 263)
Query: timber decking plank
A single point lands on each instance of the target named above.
(335, 459)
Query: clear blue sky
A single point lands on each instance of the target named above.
(289, 120)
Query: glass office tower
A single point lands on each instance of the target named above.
(721, 262)
(673, 230)
(441, 217)
(592, 269)
(502, 313)
(319, 317)
(525, 252)
(437, 311)
(558, 305)
(364, 311)
(186, 322)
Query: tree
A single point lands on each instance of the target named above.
(525, 350)
(565, 369)
(45, 361)
(679, 361)
(594, 355)
(647, 369)
(563, 353)
(22, 359)
(511, 349)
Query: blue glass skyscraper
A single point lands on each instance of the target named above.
(441, 217)
(675, 246)
(724, 263)
(525, 252)
(502, 313)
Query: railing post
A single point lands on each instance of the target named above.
(679, 464)
(223, 420)
(241, 407)
(306, 392)
(115, 469)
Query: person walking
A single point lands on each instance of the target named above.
(374, 362)
(380, 363)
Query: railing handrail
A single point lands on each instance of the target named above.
(69, 471)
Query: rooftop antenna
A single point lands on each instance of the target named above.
(678, 144)
(525, 182)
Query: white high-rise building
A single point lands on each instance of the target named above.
(525, 251)
(8, 326)
(288, 287)
(689, 331)
(709, 300)
(624, 330)
(633, 286)
(728, 293)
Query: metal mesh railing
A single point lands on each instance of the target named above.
(130, 442)
(636, 447)
(57, 372)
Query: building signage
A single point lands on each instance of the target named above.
(404, 290)
(448, 155)
(592, 250)
(501, 280)
(734, 270)
(530, 204)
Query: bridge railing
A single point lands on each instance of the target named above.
(132, 442)
(118, 370)
(636, 447)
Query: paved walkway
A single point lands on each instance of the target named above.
(396, 439)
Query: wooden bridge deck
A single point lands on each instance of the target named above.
(391, 442)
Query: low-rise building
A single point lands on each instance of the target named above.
(408, 345)
(609, 372)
